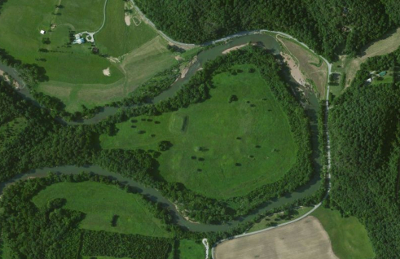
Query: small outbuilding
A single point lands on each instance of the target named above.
(42, 32)
(383, 73)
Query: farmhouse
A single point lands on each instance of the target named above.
(79, 41)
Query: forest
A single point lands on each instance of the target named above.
(365, 135)
(329, 27)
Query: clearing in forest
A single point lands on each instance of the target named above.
(106, 207)
(305, 239)
(234, 142)
(350, 66)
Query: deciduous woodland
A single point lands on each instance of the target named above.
(365, 153)
(326, 26)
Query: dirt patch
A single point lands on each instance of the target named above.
(185, 70)
(310, 65)
(294, 69)
(305, 239)
(233, 49)
(178, 58)
(127, 19)
(107, 72)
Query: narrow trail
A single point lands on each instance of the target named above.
(104, 17)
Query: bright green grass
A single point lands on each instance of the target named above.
(82, 15)
(189, 249)
(100, 202)
(21, 38)
(227, 166)
(76, 75)
(265, 222)
(116, 38)
(387, 79)
(348, 236)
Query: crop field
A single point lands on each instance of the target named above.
(313, 68)
(75, 73)
(100, 203)
(348, 236)
(305, 239)
(222, 149)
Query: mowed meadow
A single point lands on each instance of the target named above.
(238, 141)
(75, 73)
(107, 208)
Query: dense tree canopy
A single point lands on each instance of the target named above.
(365, 139)
(326, 26)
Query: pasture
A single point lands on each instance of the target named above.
(313, 68)
(348, 236)
(305, 239)
(221, 148)
(100, 202)
(188, 249)
(75, 73)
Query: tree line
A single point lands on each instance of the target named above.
(330, 28)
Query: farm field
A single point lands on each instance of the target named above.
(278, 218)
(305, 239)
(75, 73)
(100, 202)
(348, 236)
(214, 144)
(311, 66)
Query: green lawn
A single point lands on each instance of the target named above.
(189, 249)
(75, 74)
(348, 236)
(220, 149)
(276, 220)
(103, 257)
(100, 202)
(116, 38)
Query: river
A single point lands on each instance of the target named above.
(311, 107)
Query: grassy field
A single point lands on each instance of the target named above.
(348, 236)
(313, 68)
(116, 38)
(305, 239)
(216, 145)
(350, 65)
(100, 203)
(75, 74)
(275, 219)
(188, 249)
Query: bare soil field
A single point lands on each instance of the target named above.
(309, 64)
(378, 48)
(305, 239)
